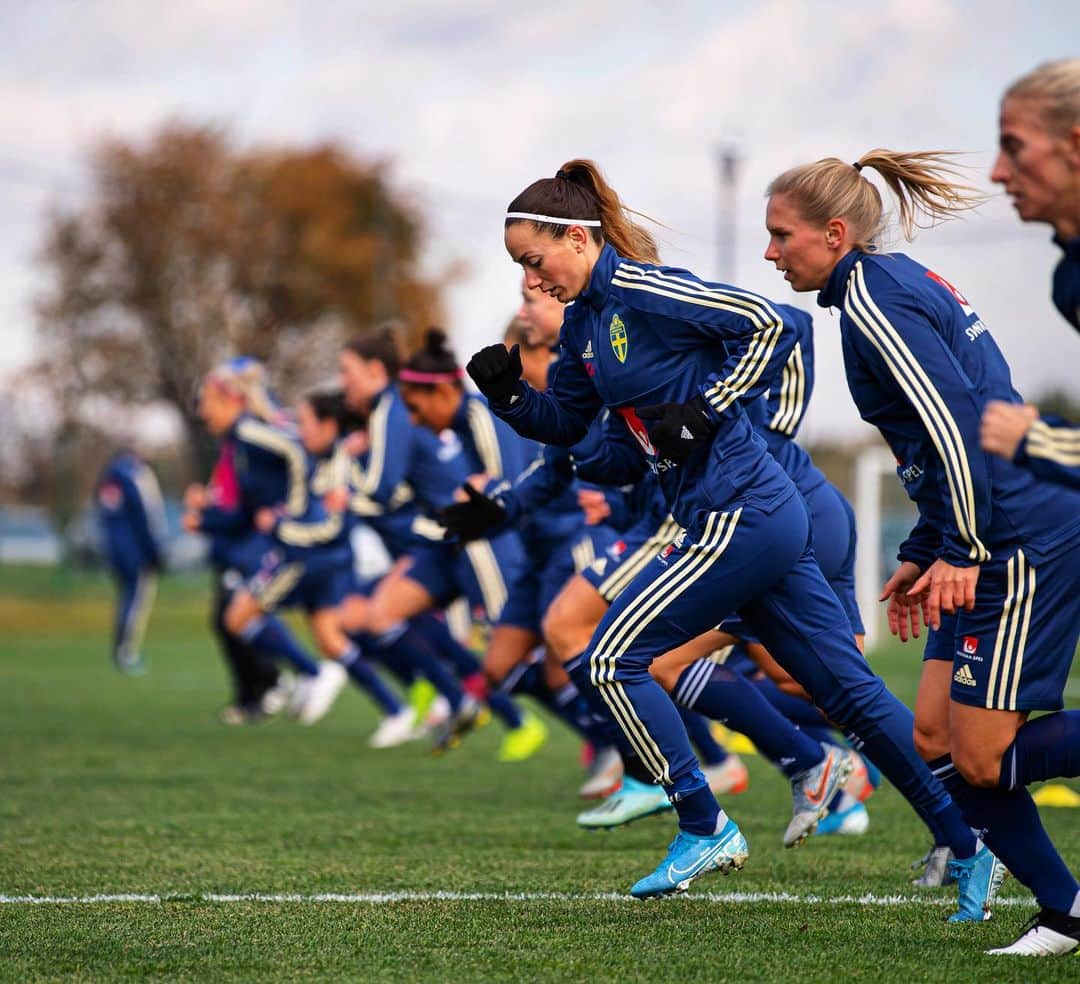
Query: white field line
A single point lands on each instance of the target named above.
(389, 898)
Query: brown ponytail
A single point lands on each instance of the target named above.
(580, 191)
(923, 183)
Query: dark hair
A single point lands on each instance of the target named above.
(580, 191)
(379, 345)
(433, 363)
(330, 405)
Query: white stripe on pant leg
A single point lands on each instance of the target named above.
(616, 698)
(1018, 667)
(633, 565)
(489, 577)
(144, 603)
(632, 621)
(1016, 609)
(658, 599)
(1003, 626)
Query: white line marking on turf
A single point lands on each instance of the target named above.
(388, 898)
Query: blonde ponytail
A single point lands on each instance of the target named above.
(923, 183)
(246, 377)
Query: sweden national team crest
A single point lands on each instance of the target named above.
(619, 340)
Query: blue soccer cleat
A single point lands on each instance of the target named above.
(690, 857)
(851, 820)
(979, 878)
(632, 801)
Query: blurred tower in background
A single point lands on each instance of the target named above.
(728, 163)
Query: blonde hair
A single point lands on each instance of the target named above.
(1055, 86)
(923, 182)
(246, 377)
(580, 191)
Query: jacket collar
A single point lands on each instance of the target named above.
(1070, 247)
(832, 294)
(595, 294)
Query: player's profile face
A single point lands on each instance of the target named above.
(432, 407)
(797, 248)
(218, 407)
(316, 435)
(358, 382)
(1035, 167)
(542, 315)
(559, 267)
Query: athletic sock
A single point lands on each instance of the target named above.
(714, 690)
(1013, 830)
(401, 643)
(699, 813)
(710, 751)
(436, 633)
(364, 676)
(1046, 748)
(270, 634)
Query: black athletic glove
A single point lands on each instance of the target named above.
(496, 373)
(472, 519)
(680, 428)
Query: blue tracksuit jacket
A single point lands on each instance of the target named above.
(641, 334)
(921, 366)
(131, 514)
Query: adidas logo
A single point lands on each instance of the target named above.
(588, 353)
(685, 433)
(965, 676)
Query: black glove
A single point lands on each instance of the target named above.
(496, 373)
(472, 519)
(681, 428)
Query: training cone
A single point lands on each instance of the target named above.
(734, 742)
(1056, 795)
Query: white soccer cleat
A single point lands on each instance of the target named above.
(813, 790)
(279, 696)
(1049, 934)
(395, 729)
(438, 713)
(730, 777)
(605, 774)
(322, 691)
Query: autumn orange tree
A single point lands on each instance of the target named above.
(189, 250)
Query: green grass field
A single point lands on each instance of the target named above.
(117, 785)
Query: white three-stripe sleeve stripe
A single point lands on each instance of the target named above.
(1057, 444)
(485, 438)
(270, 439)
(377, 428)
(618, 637)
(927, 402)
(792, 394)
(768, 325)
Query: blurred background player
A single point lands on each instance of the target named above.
(1038, 165)
(132, 520)
(993, 564)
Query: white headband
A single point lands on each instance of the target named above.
(554, 220)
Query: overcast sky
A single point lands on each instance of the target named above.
(473, 99)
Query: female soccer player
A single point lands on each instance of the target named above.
(132, 519)
(643, 340)
(991, 546)
(263, 466)
(1039, 167)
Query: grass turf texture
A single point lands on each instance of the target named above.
(114, 785)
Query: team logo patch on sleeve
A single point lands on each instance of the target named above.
(619, 340)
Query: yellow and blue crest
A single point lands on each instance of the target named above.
(619, 340)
